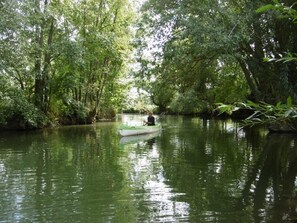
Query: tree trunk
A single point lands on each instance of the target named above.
(255, 93)
(46, 71)
(39, 81)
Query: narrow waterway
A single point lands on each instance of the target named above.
(193, 170)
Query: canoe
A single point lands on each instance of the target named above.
(138, 138)
(128, 130)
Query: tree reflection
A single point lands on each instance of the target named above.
(194, 171)
(271, 186)
(216, 164)
(60, 175)
(155, 200)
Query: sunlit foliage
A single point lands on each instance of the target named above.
(217, 49)
(65, 57)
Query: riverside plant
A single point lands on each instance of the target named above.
(279, 117)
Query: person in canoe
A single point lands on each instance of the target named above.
(150, 119)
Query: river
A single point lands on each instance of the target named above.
(193, 170)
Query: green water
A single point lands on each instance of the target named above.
(194, 170)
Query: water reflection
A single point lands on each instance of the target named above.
(156, 200)
(64, 175)
(193, 171)
(216, 163)
(271, 183)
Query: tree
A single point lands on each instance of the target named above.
(199, 40)
(102, 31)
(73, 54)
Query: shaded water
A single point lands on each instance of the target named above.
(193, 171)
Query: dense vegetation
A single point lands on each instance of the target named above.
(65, 61)
(61, 61)
(205, 52)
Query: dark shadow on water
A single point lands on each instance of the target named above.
(270, 186)
(151, 142)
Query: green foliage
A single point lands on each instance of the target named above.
(190, 58)
(217, 49)
(187, 103)
(74, 50)
(286, 11)
(226, 108)
(281, 113)
(230, 85)
(162, 95)
(19, 112)
(16, 111)
(73, 110)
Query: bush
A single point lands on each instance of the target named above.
(72, 112)
(16, 112)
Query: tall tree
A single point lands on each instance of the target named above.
(103, 31)
(62, 58)
(44, 27)
(196, 37)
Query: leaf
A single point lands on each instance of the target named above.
(289, 102)
(270, 117)
(224, 108)
(279, 105)
(257, 120)
(253, 115)
(287, 113)
(235, 109)
(265, 8)
(252, 104)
